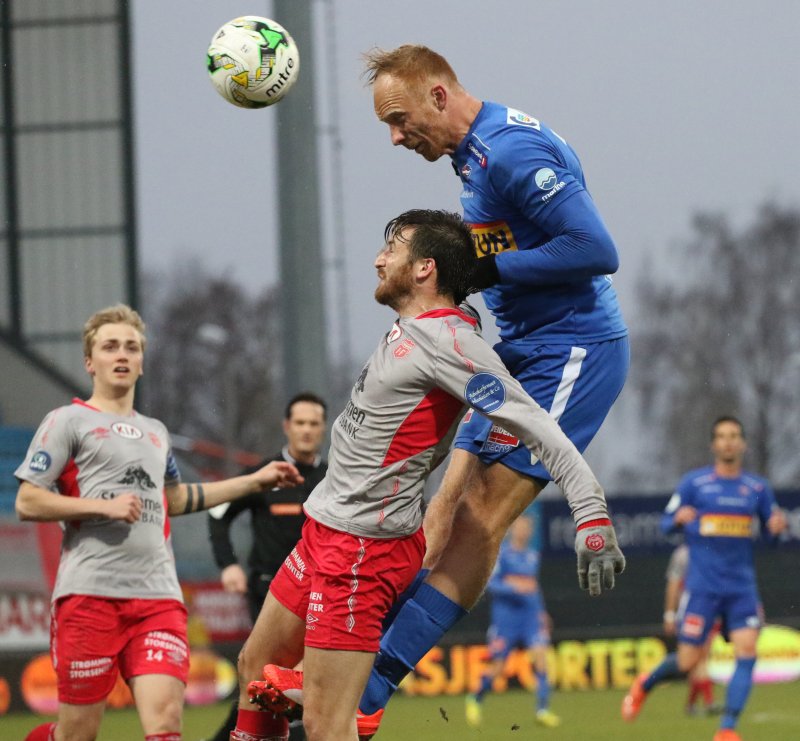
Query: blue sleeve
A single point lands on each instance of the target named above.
(580, 246)
(681, 498)
(496, 586)
(766, 506)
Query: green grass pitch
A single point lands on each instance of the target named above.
(773, 714)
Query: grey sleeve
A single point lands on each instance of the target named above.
(468, 368)
(49, 452)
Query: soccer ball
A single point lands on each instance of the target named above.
(253, 61)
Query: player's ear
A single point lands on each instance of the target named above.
(439, 95)
(87, 364)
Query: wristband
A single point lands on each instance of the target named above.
(670, 615)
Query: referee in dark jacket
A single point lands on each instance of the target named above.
(276, 518)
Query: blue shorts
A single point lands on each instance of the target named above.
(577, 385)
(699, 610)
(504, 636)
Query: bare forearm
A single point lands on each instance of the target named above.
(41, 505)
(187, 498)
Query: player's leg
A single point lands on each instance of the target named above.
(78, 722)
(538, 641)
(332, 714)
(86, 640)
(696, 615)
(159, 702)
(499, 641)
(442, 508)
(155, 663)
(743, 619)
(276, 638)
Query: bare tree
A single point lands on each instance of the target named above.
(213, 367)
(724, 338)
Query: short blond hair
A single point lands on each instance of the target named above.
(117, 314)
(412, 63)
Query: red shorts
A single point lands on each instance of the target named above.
(91, 638)
(343, 585)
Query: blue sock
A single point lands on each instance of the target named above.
(486, 683)
(738, 691)
(409, 592)
(419, 625)
(667, 669)
(542, 691)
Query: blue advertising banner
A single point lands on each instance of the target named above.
(637, 521)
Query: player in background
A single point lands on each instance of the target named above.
(716, 508)
(545, 257)
(363, 541)
(276, 520)
(699, 682)
(108, 474)
(519, 619)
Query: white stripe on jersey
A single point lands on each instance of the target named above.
(572, 369)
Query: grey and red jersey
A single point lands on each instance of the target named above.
(402, 416)
(83, 452)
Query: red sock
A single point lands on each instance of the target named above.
(707, 688)
(694, 691)
(171, 736)
(44, 732)
(258, 725)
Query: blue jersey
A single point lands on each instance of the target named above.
(525, 198)
(508, 603)
(720, 538)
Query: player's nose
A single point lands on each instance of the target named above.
(396, 134)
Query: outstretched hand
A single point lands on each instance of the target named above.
(599, 556)
(278, 473)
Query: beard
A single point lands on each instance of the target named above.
(391, 290)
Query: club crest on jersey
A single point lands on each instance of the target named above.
(477, 154)
(466, 171)
(40, 461)
(128, 431)
(404, 348)
(518, 118)
(485, 392)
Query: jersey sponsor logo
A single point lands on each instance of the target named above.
(726, 526)
(351, 419)
(545, 178)
(404, 348)
(137, 476)
(518, 118)
(155, 439)
(100, 433)
(40, 461)
(492, 238)
(485, 392)
(477, 154)
(128, 431)
(394, 335)
(502, 437)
